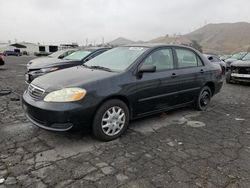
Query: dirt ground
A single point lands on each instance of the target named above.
(181, 148)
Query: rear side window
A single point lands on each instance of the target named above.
(187, 58)
(162, 59)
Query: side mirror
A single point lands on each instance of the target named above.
(61, 57)
(147, 68)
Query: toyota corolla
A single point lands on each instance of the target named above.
(120, 85)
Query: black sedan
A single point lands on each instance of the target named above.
(42, 66)
(120, 85)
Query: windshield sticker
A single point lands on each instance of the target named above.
(136, 48)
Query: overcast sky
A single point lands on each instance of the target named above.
(60, 21)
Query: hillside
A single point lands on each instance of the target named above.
(178, 39)
(223, 38)
(120, 41)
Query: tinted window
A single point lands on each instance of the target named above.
(187, 58)
(162, 59)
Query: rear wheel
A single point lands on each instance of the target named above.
(204, 98)
(111, 120)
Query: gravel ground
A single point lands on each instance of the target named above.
(181, 148)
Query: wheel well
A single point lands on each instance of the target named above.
(211, 86)
(120, 97)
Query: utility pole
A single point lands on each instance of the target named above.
(103, 41)
(86, 42)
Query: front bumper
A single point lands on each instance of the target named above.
(240, 77)
(57, 116)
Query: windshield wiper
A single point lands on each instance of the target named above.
(101, 68)
(86, 66)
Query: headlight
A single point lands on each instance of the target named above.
(51, 69)
(66, 95)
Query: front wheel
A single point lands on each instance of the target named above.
(111, 120)
(204, 98)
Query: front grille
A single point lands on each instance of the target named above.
(35, 92)
(244, 70)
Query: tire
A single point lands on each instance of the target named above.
(228, 78)
(111, 120)
(203, 98)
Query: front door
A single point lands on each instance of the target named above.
(157, 90)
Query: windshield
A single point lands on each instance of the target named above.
(78, 55)
(247, 57)
(238, 55)
(117, 59)
(56, 54)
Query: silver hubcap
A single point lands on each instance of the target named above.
(113, 121)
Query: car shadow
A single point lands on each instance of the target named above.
(3, 69)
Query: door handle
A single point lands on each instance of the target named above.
(173, 75)
(201, 71)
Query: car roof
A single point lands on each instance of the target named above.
(154, 45)
(208, 55)
(95, 48)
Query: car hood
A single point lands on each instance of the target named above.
(241, 63)
(44, 62)
(71, 77)
(230, 60)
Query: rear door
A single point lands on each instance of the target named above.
(189, 74)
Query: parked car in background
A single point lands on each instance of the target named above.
(25, 53)
(39, 67)
(234, 57)
(62, 53)
(2, 62)
(216, 60)
(10, 53)
(56, 55)
(41, 53)
(120, 85)
(239, 70)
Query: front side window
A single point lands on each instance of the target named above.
(117, 59)
(162, 59)
(187, 58)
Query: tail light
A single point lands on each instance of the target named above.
(220, 72)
